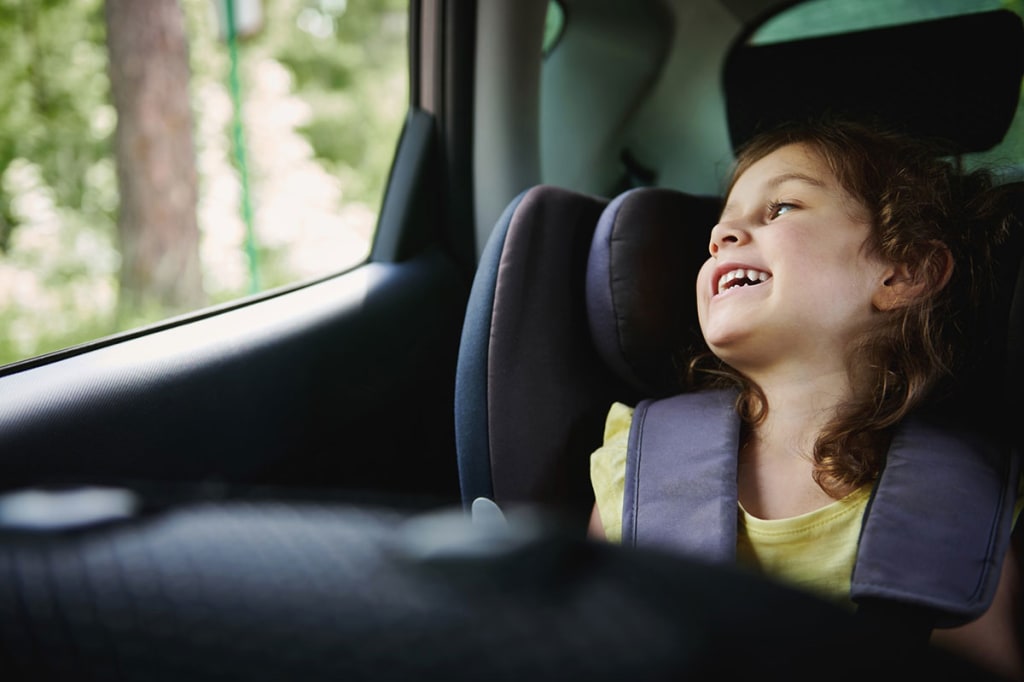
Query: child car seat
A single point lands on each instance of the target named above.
(578, 303)
(533, 385)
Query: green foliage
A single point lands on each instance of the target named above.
(55, 108)
(58, 188)
(344, 58)
(347, 60)
(58, 193)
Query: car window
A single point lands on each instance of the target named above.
(554, 25)
(826, 17)
(153, 161)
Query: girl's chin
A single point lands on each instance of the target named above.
(727, 353)
(741, 353)
(725, 340)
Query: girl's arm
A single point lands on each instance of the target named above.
(993, 640)
(596, 529)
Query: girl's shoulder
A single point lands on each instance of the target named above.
(618, 421)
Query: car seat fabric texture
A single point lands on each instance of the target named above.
(533, 385)
(529, 386)
(648, 246)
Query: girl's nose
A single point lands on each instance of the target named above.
(726, 233)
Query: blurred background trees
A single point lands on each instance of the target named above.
(157, 228)
(325, 91)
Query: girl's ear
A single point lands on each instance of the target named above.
(904, 283)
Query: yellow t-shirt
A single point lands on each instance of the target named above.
(815, 551)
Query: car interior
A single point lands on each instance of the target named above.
(276, 487)
(585, 326)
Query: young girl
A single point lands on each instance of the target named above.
(833, 301)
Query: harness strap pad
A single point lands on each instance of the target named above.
(680, 489)
(939, 522)
(934, 534)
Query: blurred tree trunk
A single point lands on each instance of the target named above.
(156, 162)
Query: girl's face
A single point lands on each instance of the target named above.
(789, 279)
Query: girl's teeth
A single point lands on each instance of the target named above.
(751, 275)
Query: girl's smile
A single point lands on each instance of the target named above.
(731, 276)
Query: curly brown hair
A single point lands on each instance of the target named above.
(922, 207)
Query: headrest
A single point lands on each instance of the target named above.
(955, 79)
(641, 275)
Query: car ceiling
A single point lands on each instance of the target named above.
(651, 85)
(642, 79)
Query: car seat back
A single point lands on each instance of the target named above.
(534, 382)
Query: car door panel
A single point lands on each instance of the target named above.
(345, 383)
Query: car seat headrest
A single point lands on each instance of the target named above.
(641, 272)
(955, 79)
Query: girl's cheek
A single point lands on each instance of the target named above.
(704, 278)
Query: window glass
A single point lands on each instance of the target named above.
(154, 161)
(828, 17)
(554, 25)
(824, 17)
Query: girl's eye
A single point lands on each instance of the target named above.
(777, 208)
